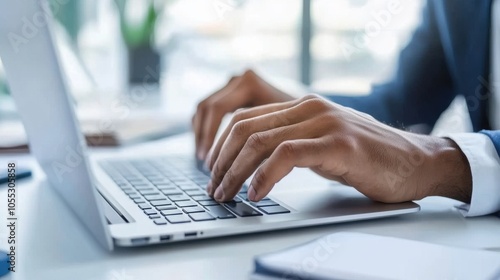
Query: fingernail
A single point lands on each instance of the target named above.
(218, 194)
(252, 195)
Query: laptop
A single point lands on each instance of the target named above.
(143, 199)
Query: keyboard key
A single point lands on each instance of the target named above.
(263, 203)
(171, 212)
(160, 221)
(124, 185)
(160, 181)
(241, 209)
(161, 202)
(134, 196)
(141, 185)
(244, 196)
(156, 216)
(179, 180)
(139, 200)
(149, 192)
(186, 203)
(195, 192)
(189, 187)
(201, 197)
(130, 192)
(166, 207)
(150, 212)
(194, 209)
(166, 186)
(171, 192)
(177, 219)
(220, 212)
(274, 209)
(154, 197)
(145, 188)
(203, 216)
(208, 202)
(138, 182)
(236, 199)
(144, 206)
(178, 197)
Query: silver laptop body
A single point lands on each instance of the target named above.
(39, 88)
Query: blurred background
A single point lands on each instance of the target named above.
(190, 48)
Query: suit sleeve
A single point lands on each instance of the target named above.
(421, 75)
(495, 138)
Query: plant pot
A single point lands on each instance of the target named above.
(143, 65)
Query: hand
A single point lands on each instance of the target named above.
(247, 90)
(383, 163)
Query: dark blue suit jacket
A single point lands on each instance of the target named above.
(449, 55)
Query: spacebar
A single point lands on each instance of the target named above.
(241, 209)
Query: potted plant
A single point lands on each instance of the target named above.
(138, 20)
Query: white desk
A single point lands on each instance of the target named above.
(53, 245)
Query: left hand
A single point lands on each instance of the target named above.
(338, 143)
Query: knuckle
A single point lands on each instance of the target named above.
(215, 106)
(316, 103)
(233, 78)
(345, 144)
(310, 96)
(239, 114)
(248, 73)
(240, 128)
(256, 141)
(330, 120)
(201, 106)
(287, 149)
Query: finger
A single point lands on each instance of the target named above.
(289, 154)
(199, 116)
(239, 116)
(247, 132)
(248, 114)
(227, 101)
(214, 153)
(257, 148)
(197, 119)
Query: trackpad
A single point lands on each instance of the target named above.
(335, 200)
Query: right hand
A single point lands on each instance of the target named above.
(247, 90)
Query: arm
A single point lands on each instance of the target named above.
(339, 143)
(421, 75)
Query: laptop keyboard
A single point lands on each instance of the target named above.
(172, 190)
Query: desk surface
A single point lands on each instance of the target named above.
(53, 245)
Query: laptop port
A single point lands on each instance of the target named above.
(165, 237)
(190, 234)
(140, 241)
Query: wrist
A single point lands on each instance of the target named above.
(449, 171)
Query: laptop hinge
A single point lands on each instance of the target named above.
(113, 216)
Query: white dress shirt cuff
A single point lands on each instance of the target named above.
(485, 167)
